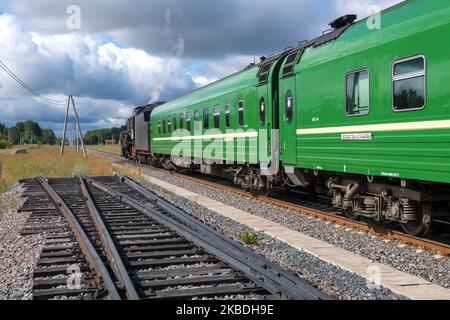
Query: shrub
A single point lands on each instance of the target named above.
(4, 144)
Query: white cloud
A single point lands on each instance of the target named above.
(202, 81)
(85, 61)
(105, 78)
(217, 69)
(363, 8)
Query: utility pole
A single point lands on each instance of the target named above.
(74, 137)
(77, 129)
(77, 138)
(63, 141)
(80, 135)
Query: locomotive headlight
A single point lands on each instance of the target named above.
(262, 107)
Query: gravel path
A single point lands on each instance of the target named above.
(18, 255)
(332, 280)
(422, 263)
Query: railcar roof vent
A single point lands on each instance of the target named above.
(264, 73)
(291, 60)
(343, 21)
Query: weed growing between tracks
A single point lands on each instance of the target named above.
(45, 161)
(249, 238)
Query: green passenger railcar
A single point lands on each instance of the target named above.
(361, 113)
(376, 102)
(373, 105)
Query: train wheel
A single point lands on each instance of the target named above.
(421, 225)
(351, 215)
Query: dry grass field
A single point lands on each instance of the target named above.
(45, 161)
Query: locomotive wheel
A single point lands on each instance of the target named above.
(420, 226)
(351, 215)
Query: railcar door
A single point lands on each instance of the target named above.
(288, 121)
(265, 124)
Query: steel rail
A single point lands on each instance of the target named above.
(428, 244)
(282, 284)
(108, 243)
(438, 247)
(86, 246)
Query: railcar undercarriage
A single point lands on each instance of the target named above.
(412, 204)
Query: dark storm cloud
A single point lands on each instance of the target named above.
(196, 28)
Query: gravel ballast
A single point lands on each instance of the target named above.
(422, 263)
(331, 279)
(18, 254)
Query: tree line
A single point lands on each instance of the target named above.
(26, 132)
(29, 132)
(100, 136)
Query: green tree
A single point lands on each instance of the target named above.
(48, 136)
(3, 129)
(20, 126)
(101, 135)
(14, 135)
(33, 132)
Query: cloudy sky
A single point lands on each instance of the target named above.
(131, 52)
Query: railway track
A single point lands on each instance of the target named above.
(111, 238)
(315, 209)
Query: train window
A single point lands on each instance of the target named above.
(169, 125)
(164, 126)
(188, 121)
(241, 113)
(409, 84)
(227, 116)
(289, 106)
(291, 60)
(358, 93)
(262, 111)
(205, 118)
(174, 123)
(159, 127)
(182, 121)
(196, 120)
(216, 117)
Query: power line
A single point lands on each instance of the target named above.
(29, 89)
(79, 135)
